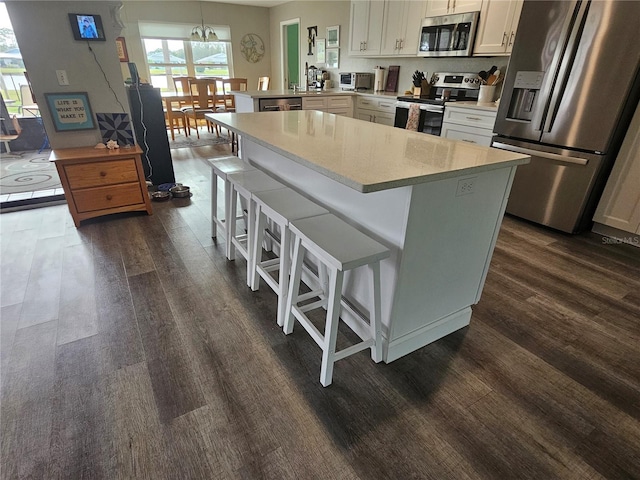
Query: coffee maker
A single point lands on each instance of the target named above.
(316, 78)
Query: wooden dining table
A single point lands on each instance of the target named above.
(182, 99)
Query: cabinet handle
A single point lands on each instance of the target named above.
(103, 174)
(504, 39)
(396, 47)
(448, 3)
(109, 197)
(473, 118)
(468, 141)
(511, 39)
(365, 45)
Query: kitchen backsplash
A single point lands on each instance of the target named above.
(410, 65)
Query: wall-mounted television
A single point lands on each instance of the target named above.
(86, 26)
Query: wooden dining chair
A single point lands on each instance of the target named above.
(203, 101)
(263, 83)
(232, 85)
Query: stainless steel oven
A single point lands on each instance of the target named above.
(445, 87)
(430, 120)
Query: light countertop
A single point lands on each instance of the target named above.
(365, 156)
(290, 93)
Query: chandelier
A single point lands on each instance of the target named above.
(203, 33)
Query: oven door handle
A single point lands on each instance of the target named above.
(423, 106)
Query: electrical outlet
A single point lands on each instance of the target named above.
(466, 186)
(62, 77)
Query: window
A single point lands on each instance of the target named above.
(169, 57)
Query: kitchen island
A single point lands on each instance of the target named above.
(254, 100)
(436, 203)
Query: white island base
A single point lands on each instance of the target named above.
(436, 204)
(441, 243)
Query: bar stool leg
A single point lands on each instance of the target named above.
(232, 202)
(374, 316)
(283, 274)
(261, 225)
(251, 226)
(331, 328)
(214, 204)
(294, 285)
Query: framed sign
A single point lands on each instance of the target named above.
(70, 111)
(320, 50)
(121, 46)
(333, 57)
(333, 36)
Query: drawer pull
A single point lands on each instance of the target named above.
(468, 141)
(103, 174)
(473, 118)
(109, 197)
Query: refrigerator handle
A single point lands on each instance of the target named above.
(537, 153)
(566, 66)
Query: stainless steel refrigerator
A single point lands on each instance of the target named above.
(571, 88)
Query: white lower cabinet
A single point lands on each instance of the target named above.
(619, 206)
(338, 105)
(469, 124)
(376, 110)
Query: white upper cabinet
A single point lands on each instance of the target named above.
(401, 27)
(447, 7)
(365, 34)
(498, 25)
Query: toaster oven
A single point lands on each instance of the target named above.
(356, 81)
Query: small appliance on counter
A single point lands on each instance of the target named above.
(445, 87)
(316, 78)
(356, 81)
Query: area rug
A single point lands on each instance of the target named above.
(205, 139)
(29, 173)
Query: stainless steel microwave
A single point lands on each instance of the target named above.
(448, 35)
(356, 81)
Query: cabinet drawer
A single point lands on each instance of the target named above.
(111, 172)
(478, 136)
(339, 102)
(101, 198)
(382, 105)
(314, 104)
(471, 117)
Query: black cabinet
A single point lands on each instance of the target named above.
(151, 133)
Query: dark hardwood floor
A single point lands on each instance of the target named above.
(131, 348)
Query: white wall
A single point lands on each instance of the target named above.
(328, 13)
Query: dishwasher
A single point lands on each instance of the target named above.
(279, 104)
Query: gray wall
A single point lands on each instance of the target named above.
(47, 44)
(241, 19)
(328, 13)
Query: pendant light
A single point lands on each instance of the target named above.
(202, 33)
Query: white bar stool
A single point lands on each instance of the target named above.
(245, 184)
(280, 207)
(339, 247)
(220, 168)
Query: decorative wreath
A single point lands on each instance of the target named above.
(252, 48)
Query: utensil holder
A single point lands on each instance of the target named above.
(487, 93)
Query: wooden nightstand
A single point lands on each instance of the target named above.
(98, 182)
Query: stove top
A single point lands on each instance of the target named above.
(449, 87)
